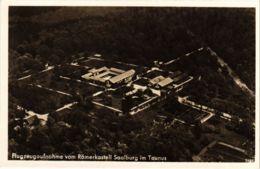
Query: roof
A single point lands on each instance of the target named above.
(117, 70)
(97, 55)
(86, 76)
(122, 76)
(156, 79)
(152, 74)
(102, 74)
(31, 119)
(165, 82)
(176, 73)
(106, 77)
(178, 78)
(98, 70)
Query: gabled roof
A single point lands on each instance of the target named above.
(116, 70)
(86, 76)
(102, 74)
(31, 119)
(175, 74)
(178, 78)
(165, 82)
(156, 80)
(122, 76)
(98, 70)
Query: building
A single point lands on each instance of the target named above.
(165, 82)
(141, 84)
(109, 76)
(124, 77)
(160, 82)
(156, 80)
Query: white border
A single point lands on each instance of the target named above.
(176, 3)
(92, 164)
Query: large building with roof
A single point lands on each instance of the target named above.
(158, 81)
(109, 76)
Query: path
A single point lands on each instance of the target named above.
(232, 74)
(45, 70)
(52, 90)
(108, 107)
(187, 54)
(66, 106)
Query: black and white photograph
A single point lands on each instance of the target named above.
(132, 84)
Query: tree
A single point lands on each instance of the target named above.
(44, 51)
(127, 103)
(84, 97)
(171, 104)
(38, 139)
(148, 92)
(139, 93)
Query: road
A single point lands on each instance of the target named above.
(141, 106)
(187, 54)
(45, 70)
(232, 74)
(48, 68)
(80, 81)
(108, 107)
(52, 90)
(123, 63)
(66, 106)
(222, 63)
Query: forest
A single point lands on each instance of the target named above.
(40, 36)
(135, 34)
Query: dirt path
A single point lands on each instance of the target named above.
(232, 74)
